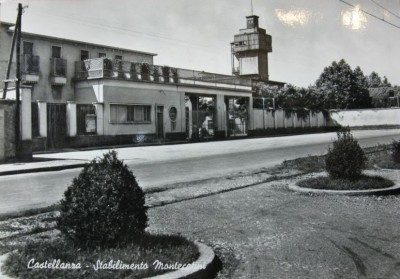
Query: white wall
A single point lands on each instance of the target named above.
(366, 117)
(278, 119)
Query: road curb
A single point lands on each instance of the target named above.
(205, 266)
(385, 191)
(42, 169)
(384, 169)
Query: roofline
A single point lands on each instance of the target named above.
(7, 23)
(52, 38)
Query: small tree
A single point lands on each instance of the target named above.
(104, 206)
(133, 71)
(145, 71)
(156, 74)
(346, 159)
(165, 73)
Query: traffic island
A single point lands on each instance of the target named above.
(366, 185)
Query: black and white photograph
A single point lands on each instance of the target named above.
(171, 139)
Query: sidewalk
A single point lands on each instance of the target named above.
(40, 166)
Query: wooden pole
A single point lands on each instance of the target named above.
(10, 58)
(18, 82)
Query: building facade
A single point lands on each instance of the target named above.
(79, 94)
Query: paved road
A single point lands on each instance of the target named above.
(161, 165)
(266, 231)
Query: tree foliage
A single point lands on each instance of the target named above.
(338, 87)
(343, 88)
(375, 81)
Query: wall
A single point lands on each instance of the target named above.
(366, 117)
(7, 130)
(70, 50)
(129, 92)
(280, 119)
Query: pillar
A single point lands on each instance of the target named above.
(25, 152)
(71, 119)
(251, 124)
(99, 118)
(26, 113)
(221, 116)
(190, 116)
(42, 111)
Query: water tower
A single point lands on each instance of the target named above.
(250, 51)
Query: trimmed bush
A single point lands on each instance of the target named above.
(104, 206)
(396, 151)
(346, 159)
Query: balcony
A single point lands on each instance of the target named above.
(58, 71)
(142, 72)
(30, 68)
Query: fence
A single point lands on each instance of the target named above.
(274, 119)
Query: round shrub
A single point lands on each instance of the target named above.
(346, 159)
(104, 206)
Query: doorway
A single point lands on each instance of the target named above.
(56, 125)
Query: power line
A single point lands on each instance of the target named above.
(370, 14)
(390, 12)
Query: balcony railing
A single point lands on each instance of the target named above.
(58, 67)
(106, 68)
(30, 64)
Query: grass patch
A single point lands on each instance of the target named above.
(145, 250)
(364, 183)
(28, 212)
(306, 164)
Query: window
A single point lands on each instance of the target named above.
(84, 55)
(130, 113)
(28, 48)
(118, 57)
(86, 119)
(102, 54)
(56, 52)
(56, 92)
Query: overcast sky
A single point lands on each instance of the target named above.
(307, 35)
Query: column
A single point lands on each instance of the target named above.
(25, 152)
(99, 118)
(26, 114)
(42, 117)
(251, 125)
(71, 119)
(221, 116)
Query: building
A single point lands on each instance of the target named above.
(79, 94)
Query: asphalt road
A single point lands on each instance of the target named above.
(161, 165)
(267, 231)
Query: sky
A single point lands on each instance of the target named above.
(307, 35)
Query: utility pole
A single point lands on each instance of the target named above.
(10, 59)
(18, 82)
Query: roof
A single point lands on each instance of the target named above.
(70, 41)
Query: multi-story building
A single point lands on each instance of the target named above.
(85, 94)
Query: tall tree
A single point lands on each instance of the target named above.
(343, 88)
